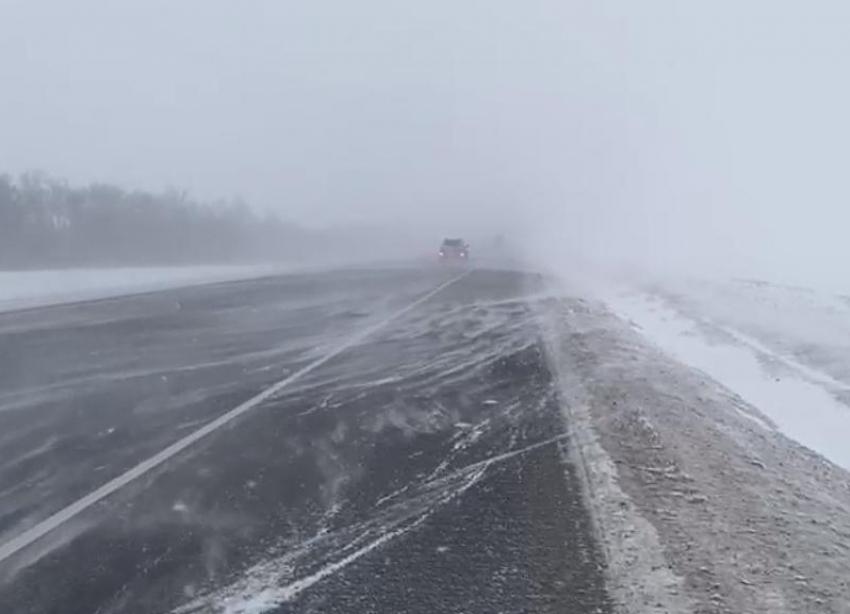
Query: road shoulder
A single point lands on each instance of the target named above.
(749, 520)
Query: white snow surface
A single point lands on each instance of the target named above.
(27, 289)
(784, 350)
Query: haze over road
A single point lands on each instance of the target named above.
(415, 459)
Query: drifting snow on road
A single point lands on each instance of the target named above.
(412, 469)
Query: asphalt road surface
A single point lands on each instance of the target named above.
(387, 441)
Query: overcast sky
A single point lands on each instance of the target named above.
(694, 132)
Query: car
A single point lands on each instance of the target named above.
(454, 250)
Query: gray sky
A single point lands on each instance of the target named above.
(695, 132)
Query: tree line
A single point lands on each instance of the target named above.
(45, 222)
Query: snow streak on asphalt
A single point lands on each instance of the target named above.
(31, 535)
(271, 583)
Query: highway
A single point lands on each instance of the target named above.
(375, 440)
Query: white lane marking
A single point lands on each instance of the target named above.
(46, 526)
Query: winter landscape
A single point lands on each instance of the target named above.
(387, 308)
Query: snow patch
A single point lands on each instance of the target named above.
(28, 289)
(802, 405)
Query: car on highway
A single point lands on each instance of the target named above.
(454, 250)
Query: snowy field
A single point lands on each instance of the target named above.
(25, 289)
(784, 350)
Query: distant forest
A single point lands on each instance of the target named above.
(47, 223)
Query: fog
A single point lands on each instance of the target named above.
(701, 137)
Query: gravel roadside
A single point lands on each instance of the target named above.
(700, 508)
